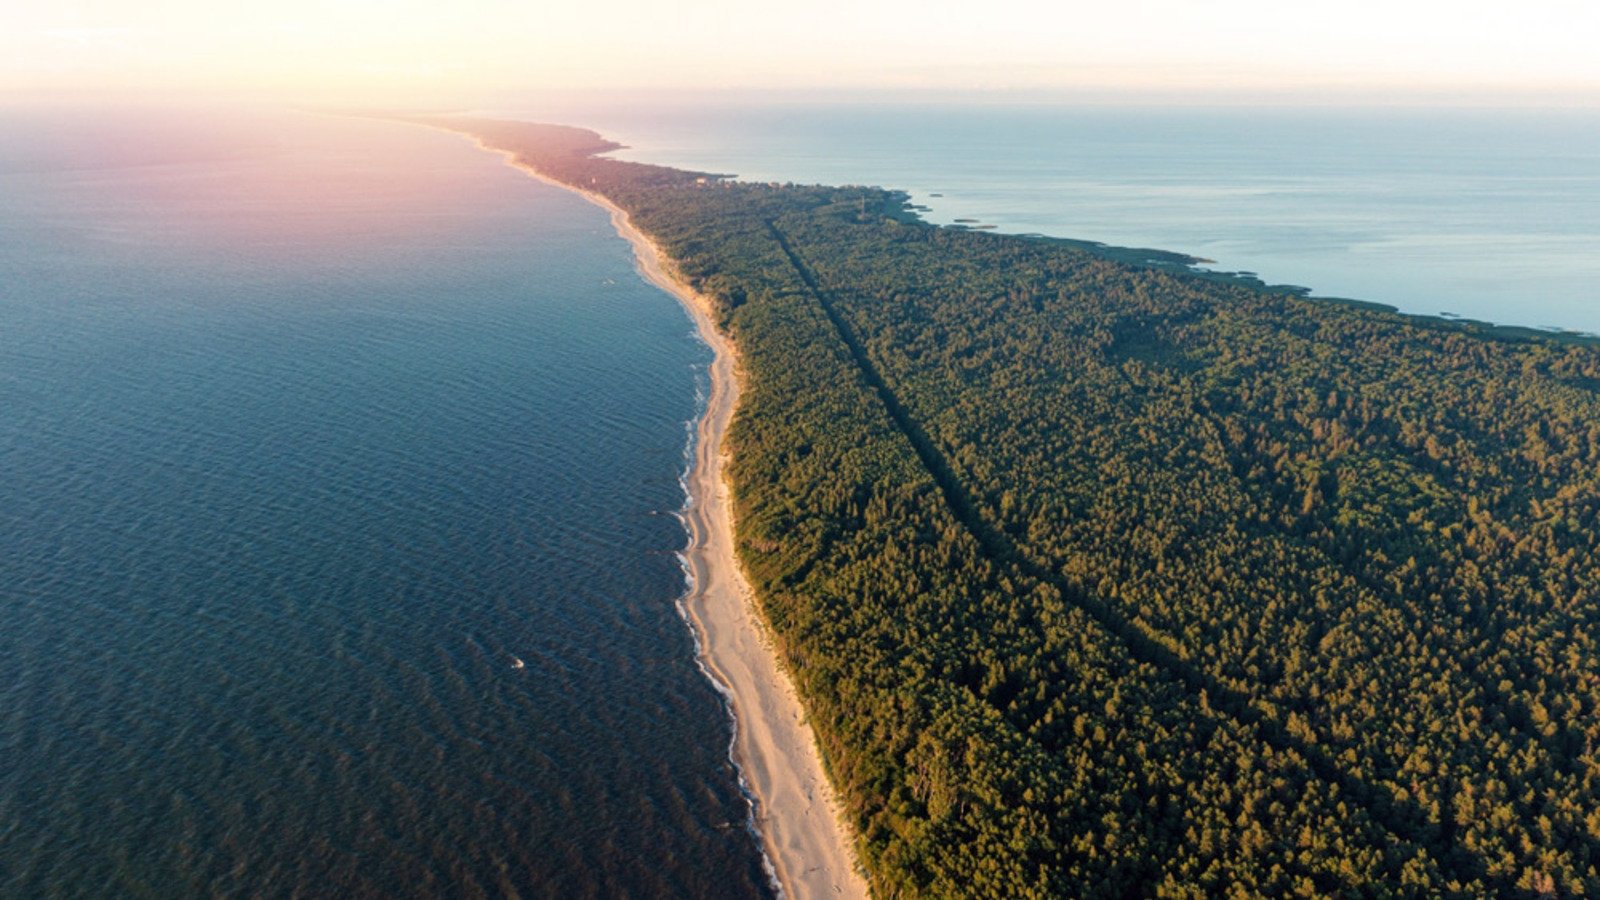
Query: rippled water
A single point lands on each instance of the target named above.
(312, 429)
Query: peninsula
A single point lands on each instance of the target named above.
(1097, 577)
(805, 840)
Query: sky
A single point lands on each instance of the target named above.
(430, 51)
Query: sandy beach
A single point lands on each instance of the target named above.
(775, 749)
(808, 845)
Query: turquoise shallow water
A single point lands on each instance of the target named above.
(312, 429)
(1488, 213)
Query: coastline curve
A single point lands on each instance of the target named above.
(804, 836)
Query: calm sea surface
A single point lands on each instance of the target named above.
(1490, 214)
(311, 430)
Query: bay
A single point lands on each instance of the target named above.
(1492, 214)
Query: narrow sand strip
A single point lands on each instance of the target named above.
(810, 847)
(775, 749)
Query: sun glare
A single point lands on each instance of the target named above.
(430, 52)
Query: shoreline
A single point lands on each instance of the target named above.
(804, 838)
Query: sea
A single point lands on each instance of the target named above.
(1487, 213)
(340, 476)
(341, 464)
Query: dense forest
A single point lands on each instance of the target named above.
(1109, 580)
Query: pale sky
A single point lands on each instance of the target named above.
(424, 49)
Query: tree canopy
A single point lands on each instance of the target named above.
(1103, 579)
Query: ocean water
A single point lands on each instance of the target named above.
(1492, 214)
(312, 428)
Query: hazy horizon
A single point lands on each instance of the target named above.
(352, 51)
